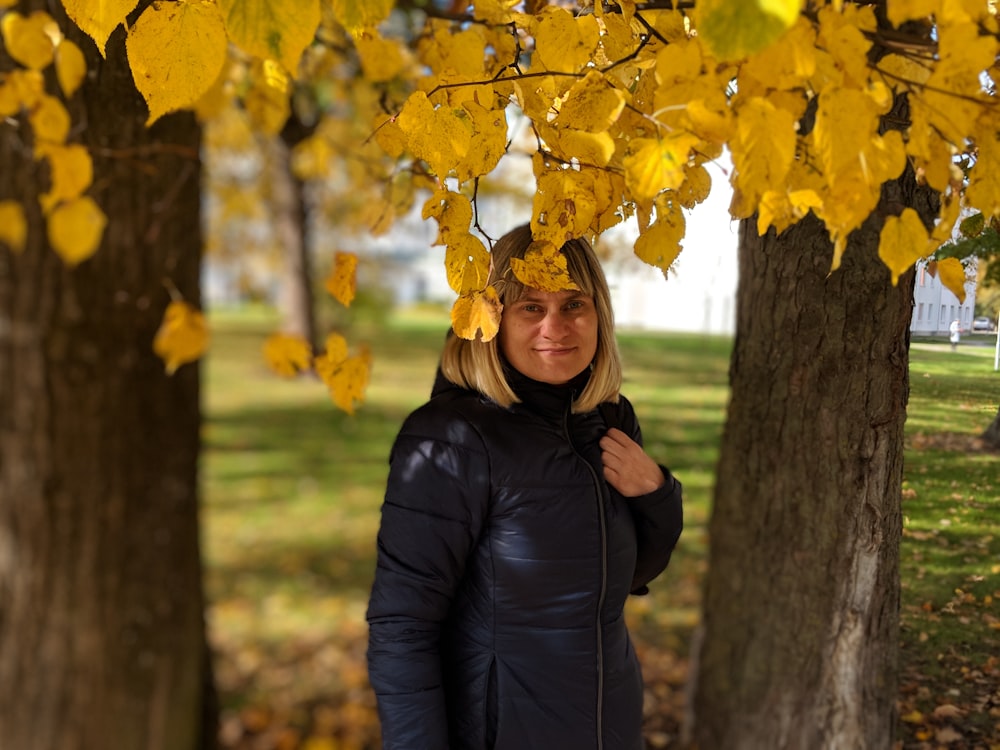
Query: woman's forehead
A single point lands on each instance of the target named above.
(536, 295)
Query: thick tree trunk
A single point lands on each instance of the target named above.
(101, 631)
(800, 629)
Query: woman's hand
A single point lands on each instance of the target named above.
(627, 467)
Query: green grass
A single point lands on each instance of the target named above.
(292, 489)
(950, 555)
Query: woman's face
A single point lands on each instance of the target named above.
(550, 336)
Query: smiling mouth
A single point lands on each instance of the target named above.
(561, 350)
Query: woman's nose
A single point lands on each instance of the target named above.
(554, 325)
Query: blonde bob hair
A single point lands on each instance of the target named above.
(477, 365)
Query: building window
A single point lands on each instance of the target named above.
(920, 306)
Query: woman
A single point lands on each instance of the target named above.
(520, 512)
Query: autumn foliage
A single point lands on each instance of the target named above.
(622, 109)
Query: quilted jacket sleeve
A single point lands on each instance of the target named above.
(435, 503)
(659, 516)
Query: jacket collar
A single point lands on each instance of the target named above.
(545, 398)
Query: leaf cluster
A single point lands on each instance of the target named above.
(613, 111)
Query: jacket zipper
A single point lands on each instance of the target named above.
(604, 583)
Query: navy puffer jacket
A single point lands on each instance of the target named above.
(504, 562)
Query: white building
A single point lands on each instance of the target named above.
(935, 306)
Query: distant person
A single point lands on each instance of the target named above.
(954, 334)
(520, 512)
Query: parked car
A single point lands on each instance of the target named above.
(983, 323)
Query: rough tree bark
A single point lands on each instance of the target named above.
(799, 644)
(102, 638)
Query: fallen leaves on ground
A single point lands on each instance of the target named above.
(315, 696)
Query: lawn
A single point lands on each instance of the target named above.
(292, 489)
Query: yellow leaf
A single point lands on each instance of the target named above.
(787, 65)
(453, 57)
(953, 96)
(543, 268)
(696, 186)
(347, 385)
(983, 191)
(591, 104)
(75, 229)
(489, 133)
(658, 164)
(312, 157)
(900, 12)
(952, 274)
(564, 205)
(50, 120)
(267, 101)
(346, 377)
(336, 351)
(477, 312)
(467, 263)
(841, 38)
(360, 14)
(29, 39)
(13, 226)
(176, 51)
(453, 212)
(847, 140)
(342, 281)
(618, 37)
(10, 103)
(216, 100)
(593, 149)
(71, 68)
(900, 70)
(381, 59)
(781, 210)
(951, 207)
(735, 30)
(182, 336)
(660, 244)
(71, 172)
(495, 12)
(608, 189)
(763, 148)
(321, 743)
(902, 242)
(389, 136)
(710, 118)
(22, 88)
(287, 355)
(99, 19)
(913, 717)
(564, 42)
(441, 137)
(275, 29)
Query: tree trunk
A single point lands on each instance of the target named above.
(799, 642)
(296, 300)
(991, 435)
(101, 628)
